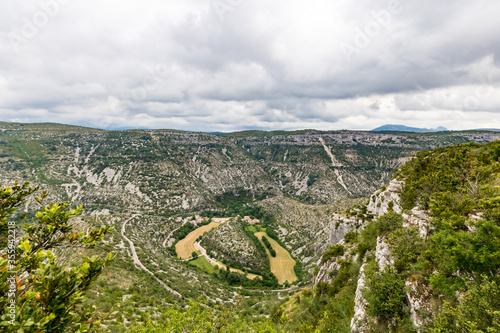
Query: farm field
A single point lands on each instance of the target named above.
(188, 245)
(281, 265)
(185, 247)
(202, 263)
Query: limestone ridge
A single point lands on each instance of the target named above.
(381, 202)
(164, 171)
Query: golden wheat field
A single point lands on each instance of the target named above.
(281, 265)
(185, 246)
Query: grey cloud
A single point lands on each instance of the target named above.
(260, 65)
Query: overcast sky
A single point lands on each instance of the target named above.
(226, 65)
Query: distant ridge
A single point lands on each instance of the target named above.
(488, 129)
(402, 128)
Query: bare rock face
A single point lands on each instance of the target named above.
(360, 320)
(340, 226)
(324, 269)
(383, 253)
(419, 219)
(383, 199)
(419, 297)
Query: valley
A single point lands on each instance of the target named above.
(161, 190)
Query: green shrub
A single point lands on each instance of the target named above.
(388, 222)
(406, 247)
(478, 311)
(333, 251)
(385, 294)
(368, 240)
(351, 237)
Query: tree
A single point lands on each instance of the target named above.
(37, 293)
(385, 294)
(194, 255)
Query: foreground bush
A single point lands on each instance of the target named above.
(37, 293)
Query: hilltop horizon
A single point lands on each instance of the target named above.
(382, 128)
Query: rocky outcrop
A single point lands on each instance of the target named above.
(418, 295)
(360, 320)
(419, 300)
(383, 253)
(341, 225)
(419, 219)
(386, 198)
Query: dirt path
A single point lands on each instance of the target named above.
(281, 265)
(138, 263)
(171, 233)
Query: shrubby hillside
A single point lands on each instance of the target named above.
(429, 258)
(419, 254)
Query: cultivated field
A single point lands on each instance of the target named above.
(281, 265)
(188, 245)
(185, 246)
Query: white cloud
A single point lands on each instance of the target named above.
(259, 64)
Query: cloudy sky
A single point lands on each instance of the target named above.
(226, 65)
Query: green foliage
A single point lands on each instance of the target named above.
(238, 203)
(340, 279)
(459, 256)
(478, 311)
(368, 239)
(472, 253)
(199, 319)
(329, 309)
(37, 293)
(312, 179)
(187, 228)
(262, 251)
(269, 246)
(459, 171)
(406, 247)
(298, 270)
(388, 222)
(333, 251)
(385, 294)
(351, 237)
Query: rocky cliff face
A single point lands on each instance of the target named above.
(418, 296)
(382, 201)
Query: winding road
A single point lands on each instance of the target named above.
(138, 263)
